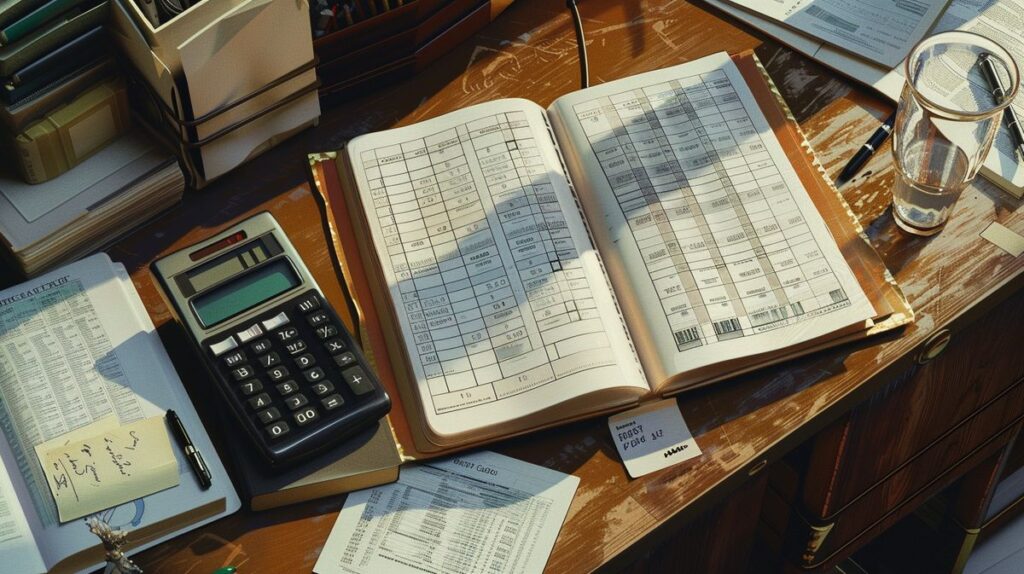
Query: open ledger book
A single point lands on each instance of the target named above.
(77, 345)
(687, 236)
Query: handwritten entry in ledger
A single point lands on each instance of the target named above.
(110, 466)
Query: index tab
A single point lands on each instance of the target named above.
(652, 437)
(109, 468)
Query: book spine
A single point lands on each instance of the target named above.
(33, 20)
(590, 235)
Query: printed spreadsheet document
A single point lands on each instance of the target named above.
(482, 512)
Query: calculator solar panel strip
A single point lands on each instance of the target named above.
(280, 356)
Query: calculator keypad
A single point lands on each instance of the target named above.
(305, 376)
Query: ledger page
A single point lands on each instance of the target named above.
(712, 243)
(879, 30)
(502, 302)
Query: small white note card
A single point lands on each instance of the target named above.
(652, 437)
(113, 465)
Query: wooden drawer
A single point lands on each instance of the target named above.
(918, 432)
(898, 422)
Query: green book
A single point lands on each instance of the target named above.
(55, 34)
(11, 10)
(35, 19)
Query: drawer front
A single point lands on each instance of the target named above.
(935, 468)
(979, 364)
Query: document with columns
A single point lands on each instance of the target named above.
(637, 238)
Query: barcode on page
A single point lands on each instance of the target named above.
(830, 18)
(798, 308)
(727, 326)
(687, 336)
(837, 295)
(770, 315)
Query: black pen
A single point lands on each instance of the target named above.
(195, 458)
(995, 85)
(867, 150)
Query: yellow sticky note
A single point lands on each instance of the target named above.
(111, 467)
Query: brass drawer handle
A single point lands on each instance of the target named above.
(934, 346)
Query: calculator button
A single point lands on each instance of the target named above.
(295, 347)
(296, 401)
(345, 360)
(278, 429)
(259, 401)
(323, 388)
(286, 388)
(287, 334)
(332, 402)
(269, 360)
(306, 416)
(268, 416)
(251, 387)
(334, 346)
(314, 375)
(221, 347)
(318, 318)
(249, 334)
(326, 331)
(304, 361)
(310, 303)
(276, 321)
(277, 373)
(261, 346)
(235, 359)
(242, 373)
(358, 381)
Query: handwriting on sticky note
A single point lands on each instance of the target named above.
(652, 437)
(109, 468)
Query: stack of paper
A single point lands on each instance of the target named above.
(88, 207)
(999, 20)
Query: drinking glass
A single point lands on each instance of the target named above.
(947, 118)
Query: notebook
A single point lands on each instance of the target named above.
(76, 345)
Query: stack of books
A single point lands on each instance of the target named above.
(61, 100)
(75, 172)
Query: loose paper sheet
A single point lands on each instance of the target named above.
(109, 468)
(652, 437)
(1004, 238)
(483, 512)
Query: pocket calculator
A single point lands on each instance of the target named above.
(288, 368)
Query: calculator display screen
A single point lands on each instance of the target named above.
(245, 291)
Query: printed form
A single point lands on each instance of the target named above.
(490, 268)
(880, 30)
(719, 238)
(482, 512)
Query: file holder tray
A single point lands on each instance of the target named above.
(182, 134)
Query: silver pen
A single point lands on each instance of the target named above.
(991, 74)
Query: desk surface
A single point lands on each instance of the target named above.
(530, 51)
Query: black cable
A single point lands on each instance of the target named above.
(581, 43)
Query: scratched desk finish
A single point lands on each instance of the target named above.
(530, 51)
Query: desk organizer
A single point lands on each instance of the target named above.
(226, 80)
(396, 44)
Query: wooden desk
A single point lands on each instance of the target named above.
(742, 426)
